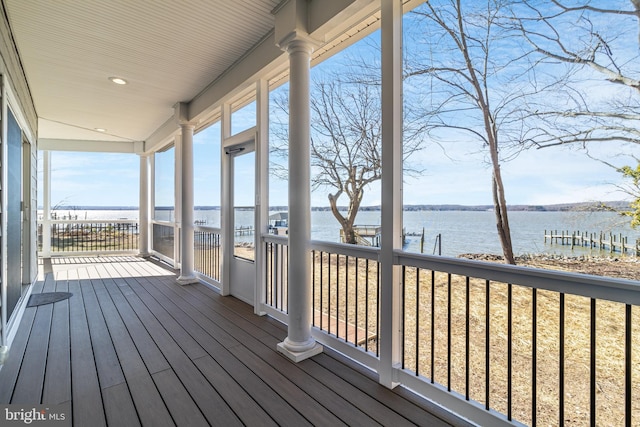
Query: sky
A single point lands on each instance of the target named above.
(457, 174)
(542, 176)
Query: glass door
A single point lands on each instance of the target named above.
(14, 214)
(241, 213)
(244, 205)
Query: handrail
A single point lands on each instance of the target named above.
(358, 251)
(606, 288)
(207, 229)
(89, 221)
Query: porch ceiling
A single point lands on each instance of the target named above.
(167, 50)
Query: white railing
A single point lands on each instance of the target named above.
(497, 344)
(207, 243)
(81, 237)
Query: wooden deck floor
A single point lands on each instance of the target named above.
(131, 347)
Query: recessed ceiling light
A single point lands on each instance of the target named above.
(101, 129)
(118, 80)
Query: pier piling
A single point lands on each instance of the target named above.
(612, 243)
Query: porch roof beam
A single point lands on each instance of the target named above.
(135, 147)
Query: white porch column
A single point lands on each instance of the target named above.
(299, 344)
(187, 274)
(262, 199)
(226, 224)
(143, 237)
(46, 201)
(390, 302)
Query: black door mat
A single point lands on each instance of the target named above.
(47, 298)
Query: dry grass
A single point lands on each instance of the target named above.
(339, 294)
(609, 348)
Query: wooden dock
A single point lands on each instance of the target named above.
(366, 235)
(606, 242)
(244, 230)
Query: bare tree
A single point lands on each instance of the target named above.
(591, 42)
(346, 141)
(345, 146)
(477, 80)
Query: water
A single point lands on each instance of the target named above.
(461, 231)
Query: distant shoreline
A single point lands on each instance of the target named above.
(560, 207)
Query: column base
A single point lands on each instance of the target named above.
(299, 356)
(187, 280)
(144, 255)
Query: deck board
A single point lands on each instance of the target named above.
(11, 367)
(254, 339)
(131, 347)
(118, 406)
(206, 397)
(183, 409)
(150, 406)
(85, 390)
(149, 351)
(107, 364)
(31, 379)
(57, 382)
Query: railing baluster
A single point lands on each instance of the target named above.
(487, 346)
(346, 298)
(377, 309)
(510, 353)
(276, 283)
(433, 326)
(466, 344)
(313, 285)
(268, 286)
(321, 288)
(534, 355)
(208, 253)
(417, 321)
(337, 295)
(592, 366)
(628, 367)
(448, 331)
(285, 278)
(561, 367)
(366, 311)
(403, 314)
(218, 246)
(357, 265)
(215, 256)
(329, 295)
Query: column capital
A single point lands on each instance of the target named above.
(297, 41)
(187, 124)
(181, 115)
